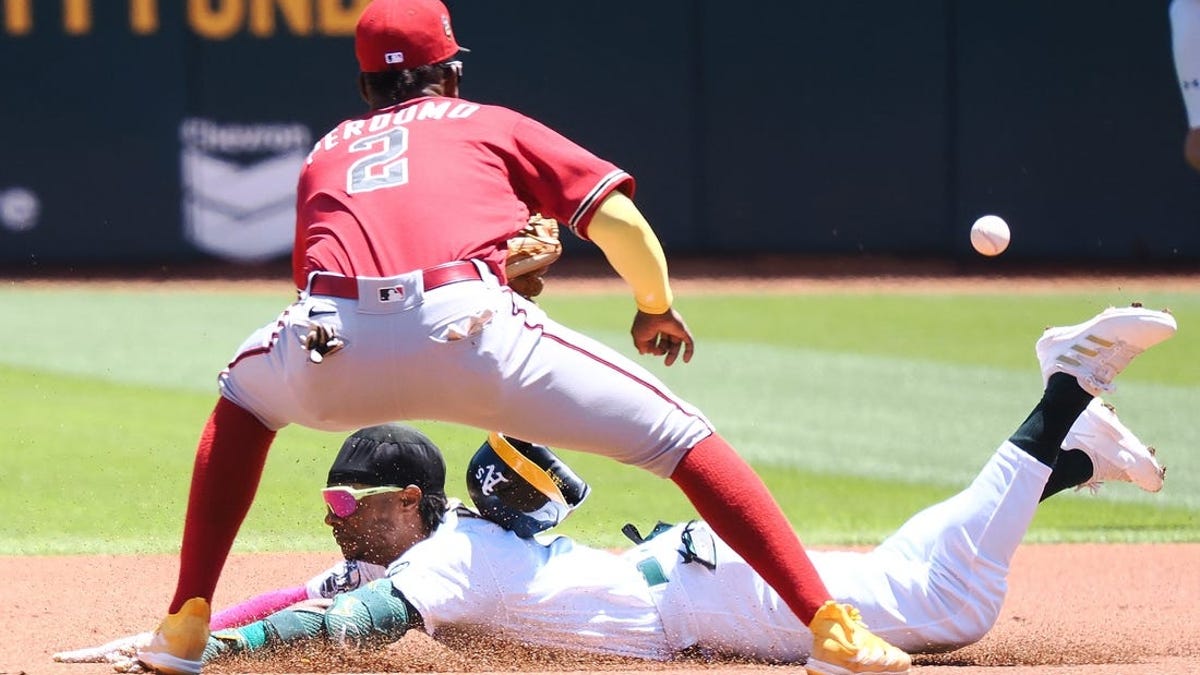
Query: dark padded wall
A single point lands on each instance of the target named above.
(825, 127)
(837, 127)
(1071, 124)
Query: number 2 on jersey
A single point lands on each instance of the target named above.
(385, 167)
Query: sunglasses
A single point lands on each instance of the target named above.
(343, 501)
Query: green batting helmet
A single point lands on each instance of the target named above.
(522, 486)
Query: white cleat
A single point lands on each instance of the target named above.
(1097, 350)
(1117, 455)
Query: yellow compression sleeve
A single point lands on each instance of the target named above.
(633, 250)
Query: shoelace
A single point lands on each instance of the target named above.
(856, 616)
(1092, 484)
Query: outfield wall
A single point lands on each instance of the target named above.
(164, 131)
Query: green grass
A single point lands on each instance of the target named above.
(857, 409)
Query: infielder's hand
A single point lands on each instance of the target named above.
(121, 653)
(530, 284)
(1191, 148)
(662, 334)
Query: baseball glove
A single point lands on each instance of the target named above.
(530, 252)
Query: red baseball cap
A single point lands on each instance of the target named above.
(403, 34)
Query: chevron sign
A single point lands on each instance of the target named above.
(239, 186)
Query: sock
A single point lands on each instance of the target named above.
(1042, 433)
(735, 503)
(258, 607)
(1072, 469)
(229, 463)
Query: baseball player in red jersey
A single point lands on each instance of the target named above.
(403, 218)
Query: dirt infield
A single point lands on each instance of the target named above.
(1072, 609)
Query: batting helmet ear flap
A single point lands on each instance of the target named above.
(522, 486)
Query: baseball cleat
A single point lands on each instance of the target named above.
(1097, 350)
(843, 645)
(1116, 454)
(177, 647)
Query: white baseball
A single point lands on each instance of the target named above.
(990, 235)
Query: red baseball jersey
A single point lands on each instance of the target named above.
(433, 180)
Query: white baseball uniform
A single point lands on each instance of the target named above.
(1185, 43)
(471, 352)
(937, 583)
(346, 575)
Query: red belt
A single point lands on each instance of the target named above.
(434, 277)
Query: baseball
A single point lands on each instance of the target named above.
(990, 235)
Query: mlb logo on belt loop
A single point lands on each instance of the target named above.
(391, 294)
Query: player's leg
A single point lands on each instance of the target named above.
(272, 382)
(1056, 414)
(952, 559)
(230, 457)
(1185, 42)
(229, 461)
(711, 597)
(567, 390)
(736, 504)
(1100, 449)
(1096, 351)
(269, 384)
(560, 388)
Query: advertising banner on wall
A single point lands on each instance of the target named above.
(148, 131)
(239, 186)
(151, 132)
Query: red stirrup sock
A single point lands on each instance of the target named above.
(229, 462)
(735, 503)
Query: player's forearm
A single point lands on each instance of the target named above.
(258, 607)
(374, 610)
(633, 250)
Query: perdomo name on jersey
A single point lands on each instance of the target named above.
(428, 110)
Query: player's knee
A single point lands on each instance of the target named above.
(369, 615)
(972, 625)
(972, 633)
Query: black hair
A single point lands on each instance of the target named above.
(432, 508)
(395, 455)
(396, 86)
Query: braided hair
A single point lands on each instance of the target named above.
(432, 508)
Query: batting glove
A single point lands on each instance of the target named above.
(121, 653)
